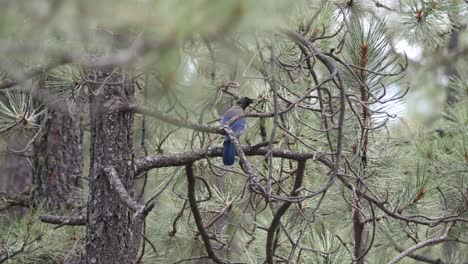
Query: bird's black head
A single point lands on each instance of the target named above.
(244, 102)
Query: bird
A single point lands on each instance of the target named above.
(239, 127)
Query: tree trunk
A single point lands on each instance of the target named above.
(360, 234)
(15, 168)
(110, 229)
(58, 160)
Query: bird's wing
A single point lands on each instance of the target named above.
(239, 127)
(232, 112)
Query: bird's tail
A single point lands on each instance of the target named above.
(229, 153)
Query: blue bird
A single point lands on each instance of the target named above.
(239, 126)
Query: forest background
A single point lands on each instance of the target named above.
(356, 149)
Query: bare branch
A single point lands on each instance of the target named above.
(197, 216)
(63, 220)
(270, 252)
(117, 186)
(181, 159)
(171, 120)
(428, 242)
(8, 201)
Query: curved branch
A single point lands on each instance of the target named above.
(270, 252)
(197, 216)
(422, 244)
(122, 193)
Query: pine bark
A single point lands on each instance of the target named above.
(58, 161)
(15, 169)
(110, 232)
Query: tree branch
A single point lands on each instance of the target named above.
(419, 257)
(270, 252)
(196, 214)
(181, 159)
(117, 186)
(63, 220)
(171, 120)
(422, 244)
(8, 201)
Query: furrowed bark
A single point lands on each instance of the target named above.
(110, 232)
(58, 160)
(17, 172)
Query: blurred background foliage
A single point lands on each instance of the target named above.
(184, 55)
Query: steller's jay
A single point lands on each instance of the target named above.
(238, 127)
